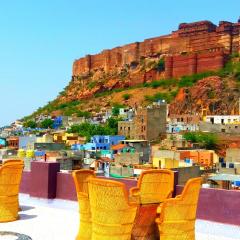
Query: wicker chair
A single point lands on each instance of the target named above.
(178, 215)
(81, 178)
(112, 213)
(10, 177)
(154, 186)
(12, 161)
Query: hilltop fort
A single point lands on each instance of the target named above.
(193, 48)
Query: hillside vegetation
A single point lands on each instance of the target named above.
(218, 92)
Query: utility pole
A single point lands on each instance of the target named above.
(239, 106)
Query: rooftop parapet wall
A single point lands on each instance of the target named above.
(196, 37)
(214, 204)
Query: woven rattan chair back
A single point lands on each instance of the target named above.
(112, 213)
(81, 178)
(155, 185)
(178, 215)
(10, 178)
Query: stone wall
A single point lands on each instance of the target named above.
(181, 65)
(196, 37)
(220, 128)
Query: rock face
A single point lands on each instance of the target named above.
(210, 94)
(193, 48)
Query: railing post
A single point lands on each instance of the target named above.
(44, 179)
(175, 183)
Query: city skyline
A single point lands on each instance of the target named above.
(40, 41)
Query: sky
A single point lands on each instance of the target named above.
(39, 40)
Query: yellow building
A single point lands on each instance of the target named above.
(46, 138)
(161, 162)
(67, 138)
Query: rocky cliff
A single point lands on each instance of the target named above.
(193, 48)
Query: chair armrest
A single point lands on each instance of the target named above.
(133, 204)
(169, 195)
(134, 195)
(164, 206)
(134, 191)
(159, 209)
(82, 195)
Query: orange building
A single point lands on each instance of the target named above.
(201, 157)
(13, 142)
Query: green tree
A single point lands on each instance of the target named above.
(115, 109)
(88, 130)
(46, 123)
(30, 124)
(112, 124)
(207, 140)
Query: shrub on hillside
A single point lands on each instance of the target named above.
(91, 85)
(188, 81)
(160, 66)
(208, 140)
(126, 96)
(159, 96)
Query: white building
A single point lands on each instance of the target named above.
(222, 119)
(176, 127)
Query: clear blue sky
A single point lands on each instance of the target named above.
(39, 40)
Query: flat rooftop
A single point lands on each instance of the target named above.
(56, 219)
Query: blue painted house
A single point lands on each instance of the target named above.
(57, 123)
(3, 142)
(99, 142)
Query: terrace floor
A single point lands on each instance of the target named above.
(58, 220)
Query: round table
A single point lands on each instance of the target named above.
(13, 236)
